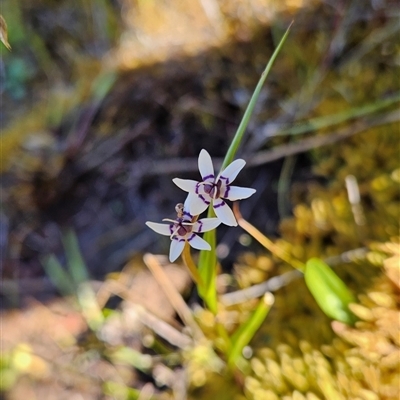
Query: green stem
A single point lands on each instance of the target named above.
(246, 331)
(208, 259)
(208, 269)
(223, 334)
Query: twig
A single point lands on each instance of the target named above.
(314, 142)
(176, 165)
(277, 282)
(267, 243)
(172, 294)
(252, 292)
(107, 148)
(160, 327)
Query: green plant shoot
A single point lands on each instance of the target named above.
(247, 330)
(329, 291)
(208, 259)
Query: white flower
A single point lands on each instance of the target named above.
(182, 230)
(214, 190)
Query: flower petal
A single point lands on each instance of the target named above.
(198, 243)
(162, 229)
(224, 213)
(176, 248)
(206, 167)
(197, 204)
(186, 208)
(205, 224)
(188, 185)
(237, 193)
(230, 173)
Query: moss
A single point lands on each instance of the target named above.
(299, 353)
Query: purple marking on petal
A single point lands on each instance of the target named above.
(191, 237)
(225, 179)
(211, 176)
(200, 226)
(178, 238)
(227, 189)
(171, 229)
(220, 205)
(187, 214)
(202, 198)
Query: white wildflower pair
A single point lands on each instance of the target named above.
(210, 191)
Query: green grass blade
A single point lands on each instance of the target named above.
(208, 269)
(77, 265)
(318, 123)
(208, 259)
(132, 357)
(102, 85)
(250, 108)
(246, 331)
(84, 292)
(58, 275)
(89, 306)
(329, 291)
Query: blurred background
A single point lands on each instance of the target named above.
(103, 102)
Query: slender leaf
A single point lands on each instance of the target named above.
(318, 123)
(89, 306)
(250, 107)
(247, 330)
(102, 85)
(208, 269)
(84, 291)
(77, 265)
(58, 275)
(208, 259)
(329, 291)
(129, 356)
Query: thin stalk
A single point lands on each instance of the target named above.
(268, 244)
(246, 331)
(173, 295)
(191, 266)
(208, 269)
(223, 334)
(208, 259)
